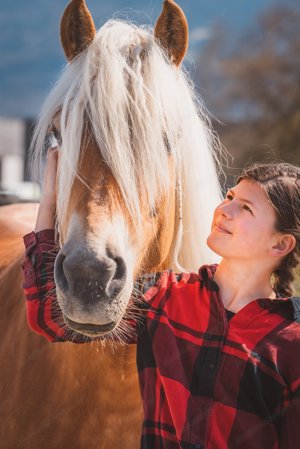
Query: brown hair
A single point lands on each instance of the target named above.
(281, 182)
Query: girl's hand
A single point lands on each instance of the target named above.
(47, 208)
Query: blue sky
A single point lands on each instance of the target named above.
(31, 56)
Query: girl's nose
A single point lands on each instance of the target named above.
(226, 210)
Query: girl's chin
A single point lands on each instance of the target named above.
(216, 246)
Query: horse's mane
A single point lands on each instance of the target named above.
(140, 107)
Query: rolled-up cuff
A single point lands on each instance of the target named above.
(38, 264)
(44, 236)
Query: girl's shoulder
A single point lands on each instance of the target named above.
(295, 300)
(289, 310)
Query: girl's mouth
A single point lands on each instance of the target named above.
(221, 229)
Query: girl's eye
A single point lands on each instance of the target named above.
(247, 208)
(230, 197)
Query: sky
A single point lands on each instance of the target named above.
(31, 55)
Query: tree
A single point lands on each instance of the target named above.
(254, 87)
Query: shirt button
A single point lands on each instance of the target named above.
(212, 366)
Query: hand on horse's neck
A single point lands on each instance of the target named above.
(240, 284)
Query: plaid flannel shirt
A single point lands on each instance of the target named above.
(206, 382)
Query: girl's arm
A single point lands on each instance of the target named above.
(46, 213)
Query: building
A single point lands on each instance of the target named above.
(15, 178)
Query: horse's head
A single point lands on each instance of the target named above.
(127, 120)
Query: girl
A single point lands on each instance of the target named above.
(218, 351)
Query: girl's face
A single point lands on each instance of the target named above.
(243, 225)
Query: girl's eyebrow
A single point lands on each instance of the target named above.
(231, 192)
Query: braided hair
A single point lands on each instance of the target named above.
(281, 182)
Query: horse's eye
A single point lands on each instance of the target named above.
(56, 137)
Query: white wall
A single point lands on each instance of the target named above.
(12, 159)
(12, 152)
(12, 136)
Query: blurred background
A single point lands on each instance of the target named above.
(243, 57)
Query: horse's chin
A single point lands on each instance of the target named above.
(90, 330)
(100, 323)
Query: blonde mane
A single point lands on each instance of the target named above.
(140, 108)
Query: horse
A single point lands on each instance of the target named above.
(136, 186)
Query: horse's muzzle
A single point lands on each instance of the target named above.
(79, 274)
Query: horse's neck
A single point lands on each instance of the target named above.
(166, 265)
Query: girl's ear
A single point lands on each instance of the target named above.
(285, 244)
(171, 30)
(77, 29)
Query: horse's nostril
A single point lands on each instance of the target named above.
(60, 277)
(118, 279)
(120, 272)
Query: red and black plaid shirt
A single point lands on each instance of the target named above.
(206, 382)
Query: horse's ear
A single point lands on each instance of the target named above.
(172, 32)
(77, 29)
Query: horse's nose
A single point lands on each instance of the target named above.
(80, 274)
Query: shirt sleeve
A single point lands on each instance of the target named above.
(44, 315)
